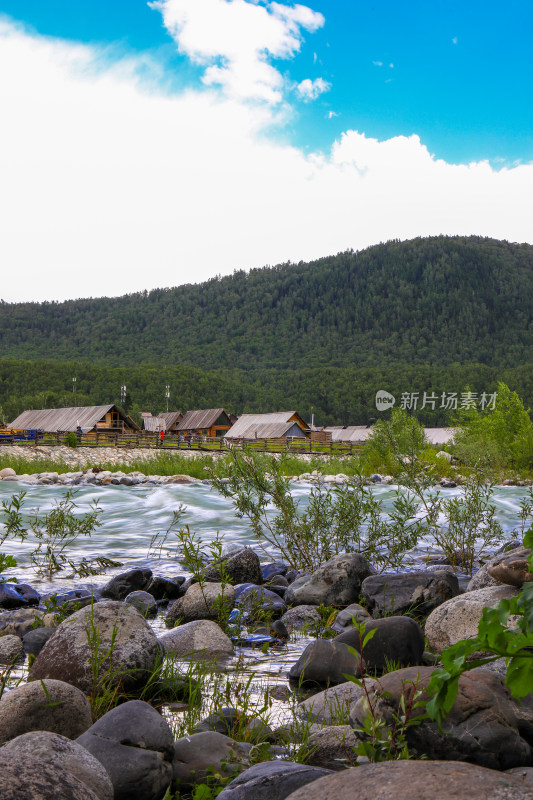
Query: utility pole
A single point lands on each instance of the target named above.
(167, 394)
(123, 393)
(74, 388)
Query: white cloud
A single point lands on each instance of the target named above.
(310, 90)
(378, 63)
(332, 114)
(455, 40)
(234, 40)
(109, 187)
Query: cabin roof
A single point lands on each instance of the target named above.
(348, 433)
(265, 426)
(205, 418)
(67, 419)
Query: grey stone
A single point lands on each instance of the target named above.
(164, 588)
(7, 472)
(324, 663)
(397, 640)
(61, 709)
(54, 750)
(11, 649)
(200, 754)
(396, 594)
(24, 777)
(338, 582)
(34, 641)
(300, 617)
(416, 780)
(242, 567)
(201, 602)
(482, 579)
(344, 619)
(121, 585)
(67, 653)
(253, 598)
(332, 747)
(17, 595)
(135, 745)
(143, 602)
(332, 706)
(458, 618)
(512, 568)
(201, 639)
(275, 568)
(271, 780)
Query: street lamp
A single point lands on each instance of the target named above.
(74, 387)
(123, 393)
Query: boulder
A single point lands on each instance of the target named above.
(202, 602)
(458, 618)
(332, 706)
(121, 585)
(11, 649)
(300, 617)
(416, 780)
(481, 579)
(336, 583)
(332, 747)
(344, 619)
(512, 568)
(201, 638)
(324, 663)
(164, 588)
(200, 754)
(17, 595)
(253, 598)
(7, 472)
(242, 567)
(89, 633)
(271, 780)
(136, 747)
(143, 602)
(269, 571)
(61, 709)
(485, 726)
(54, 750)
(396, 594)
(398, 640)
(19, 622)
(34, 641)
(25, 777)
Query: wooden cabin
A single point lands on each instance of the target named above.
(279, 425)
(103, 419)
(207, 422)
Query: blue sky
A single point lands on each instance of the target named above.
(169, 137)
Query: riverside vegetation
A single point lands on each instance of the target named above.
(377, 724)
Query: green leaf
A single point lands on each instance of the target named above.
(520, 675)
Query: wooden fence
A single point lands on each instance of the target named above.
(172, 443)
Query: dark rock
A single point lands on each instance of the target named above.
(222, 721)
(71, 600)
(11, 649)
(332, 706)
(136, 747)
(485, 726)
(19, 621)
(397, 640)
(416, 780)
(512, 568)
(279, 631)
(338, 582)
(344, 619)
(299, 617)
(269, 571)
(18, 595)
(200, 754)
(144, 602)
(164, 588)
(253, 598)
(24, 777)
(279, 590)
(423, 591)
(121, 585)
(34, 640)
(332, 747)
(324, 663)
(271, 780)
(292, 574)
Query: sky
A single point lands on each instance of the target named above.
(153, 144)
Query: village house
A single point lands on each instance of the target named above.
(101, 419)
(279, 425)
(167, 421)
(207, 422)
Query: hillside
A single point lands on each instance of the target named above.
(428, 301)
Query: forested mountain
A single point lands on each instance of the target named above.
(439, 300)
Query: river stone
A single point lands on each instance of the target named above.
(201, 638)
(17, 595)
(164, 588)
(299, 617)
(524, 773)
(324, 663)
(253, 598)
(58, 751)
(119, 587)
(25, 777)
(485, 726)
(336, 583)
(332, 706)
(344, 621)
(61, 709)
(243, 567)
(7, 472)
(201, 602)
(332, 747)
(275, 568)
(18, 622)
(136, 746)
(512, 568)
(143, 602)
(271, 780)
(11, 649)
(458, 618)
(34, 641)
(398, 640)
(416, 780)
(200, 754)
(481, 579)
(66, 655)
(396, 594)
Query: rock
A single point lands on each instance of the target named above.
(253, 598)
(332, 747)
(524, 773)
(324, 663)
(444, 454)
(271, 780)
(164, 588)
(223, 720)
(200, 754)
(7, 472)
(343, 620)
(416, 780)
(483, 727)
(54, 750)
(336, 583)
(24, 777)
(512, 568)
(18, 622)
(61, 709)
(243, 567)
(15, 595)
(34, 641)
(278, 630)
(143, 602)
(388, 594)
(398, 640)
(11, 649)
(67, 653)
(136, 747)
(200, 639)
(120, 586)
(201, 602)
(269, 571)
(482, 579)
(458, 618)
(332, 706)
(300, 617)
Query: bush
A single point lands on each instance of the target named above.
(71, 440)
(395, 440)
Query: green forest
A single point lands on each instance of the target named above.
(429, 315)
